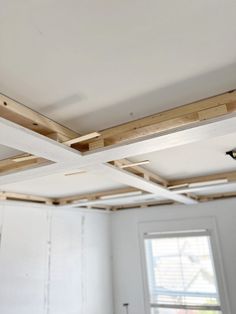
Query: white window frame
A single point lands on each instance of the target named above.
(178, 227)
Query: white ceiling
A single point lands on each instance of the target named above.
(196, 159)
(92, 64)
(61, 185)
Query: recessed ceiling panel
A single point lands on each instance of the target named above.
(61, 185)
(200, 158)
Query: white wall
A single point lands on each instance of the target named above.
(59, 261)
(129, 284)
(54, 261)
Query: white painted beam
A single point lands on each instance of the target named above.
(17, 137)
(133, 180)
(148, 197)
(208, 189)
(173, 138)
(114, 201)
(163, 141)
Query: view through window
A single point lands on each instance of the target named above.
(181, 274)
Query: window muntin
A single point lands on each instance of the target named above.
(181, 274)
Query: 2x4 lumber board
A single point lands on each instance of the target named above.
(23, 158)
(133, 164)
(142, 171)
(211, 197)
(24, 116)
(20, 138)
(7, 166)
(142, 205)
(82, 138)
(230, 176)
(97, 195)
(181, 116)
(89, 160)
(25, 197)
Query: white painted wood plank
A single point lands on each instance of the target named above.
(132, 180)
(17, 137)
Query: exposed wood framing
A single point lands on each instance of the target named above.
(96, 195)
(206, 109)
(217, 196)
(82, 138)
(93, 200)
(227, 99)
(143, 184)
(25, 197)
(229, 176)
(30, 119)
(63, 155)
(155, 143)
(141, 205)
(30, 142)
(9, 166)
(140, 171)
(133, 164)
(68, 159)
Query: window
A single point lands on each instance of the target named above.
(181, 274)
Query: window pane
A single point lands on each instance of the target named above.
(180, 271)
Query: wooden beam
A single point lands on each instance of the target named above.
(229, 176)
(30, 119)
(134, 164)
(23, 158)
(143, 172)
(216, 196)
(206, 109)
(144, 199)
(25, 197)
(141, 205)
(82, 138)
(182, 116)
(96, 195)
(9, 166)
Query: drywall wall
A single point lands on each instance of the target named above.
(54, 261)
(129, 282)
